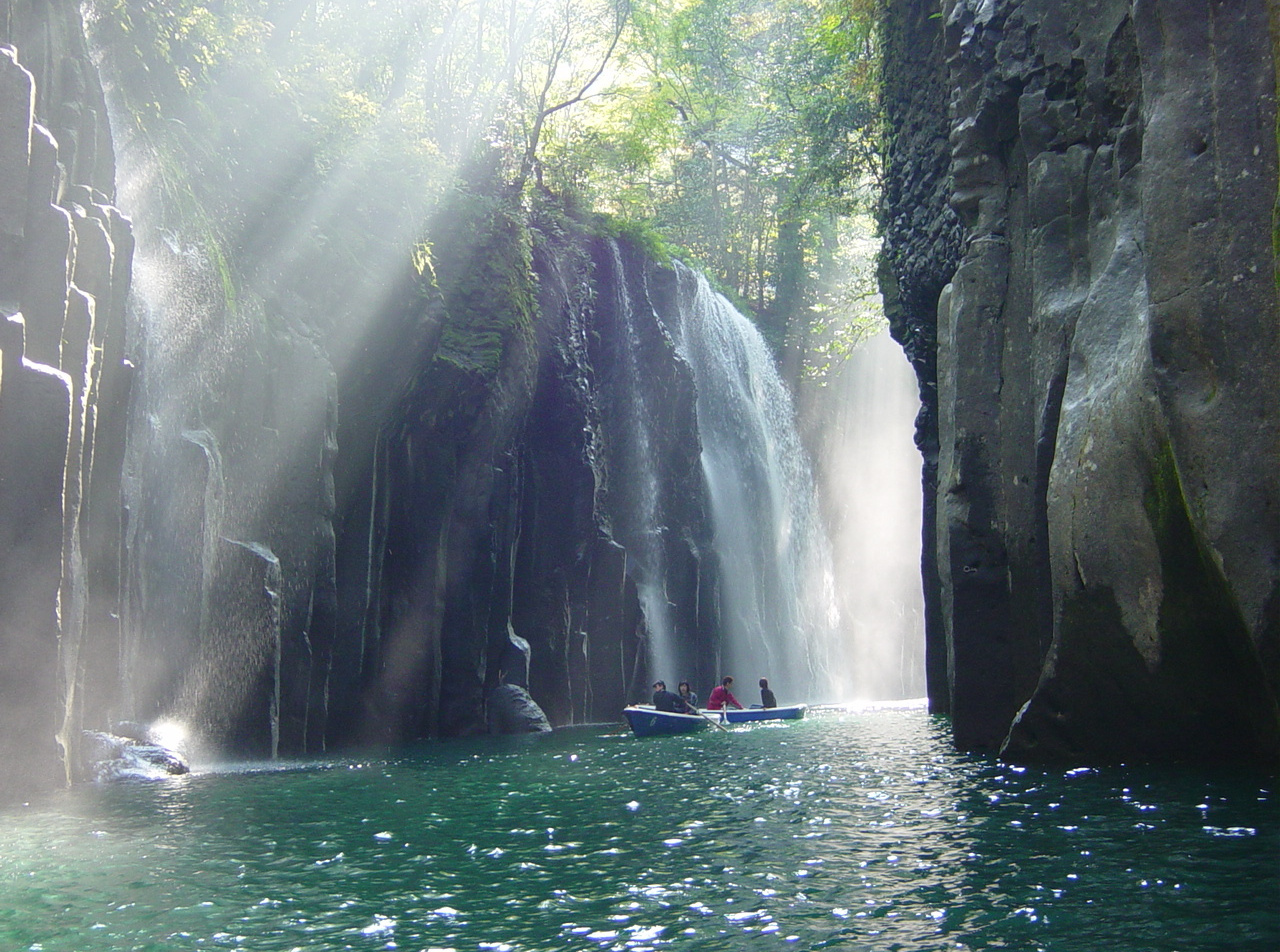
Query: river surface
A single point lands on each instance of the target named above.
(848, 830)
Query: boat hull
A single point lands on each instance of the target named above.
(791, 713)
(646, 722)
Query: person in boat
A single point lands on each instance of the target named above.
(664, 700)
(766, 696)
(722, 697)
(687, 695)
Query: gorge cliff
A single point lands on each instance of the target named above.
(228, 508)
(352, 456)
(323, 453)
(1079, 262)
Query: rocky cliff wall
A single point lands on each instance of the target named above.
(291, 521)
(65, 253)
(342, 542)
(506, 481)
(1106, 338)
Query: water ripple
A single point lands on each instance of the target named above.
(855, 831)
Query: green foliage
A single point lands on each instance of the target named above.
(314, 140)
(483, 262)
(849, 312)
(640, 233)
(740, 129)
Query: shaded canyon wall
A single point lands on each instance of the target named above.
(65, 253)
(1078, 262)
(293, 526)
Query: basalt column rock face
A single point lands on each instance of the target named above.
(65, 254)
(922, 245)
(508, 552)
(1108, 488)
(288, 497)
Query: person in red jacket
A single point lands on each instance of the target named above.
(721, 696)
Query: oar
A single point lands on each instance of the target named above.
(713, 720)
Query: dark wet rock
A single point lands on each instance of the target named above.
(1106, 486)
(65, 254)
(35, 414)
(512, 710)
(132, 730)
(515, 660)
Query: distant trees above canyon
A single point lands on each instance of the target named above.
(741, 134)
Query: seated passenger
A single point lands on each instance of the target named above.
(664, 700)
(766, 696)
(687, 695)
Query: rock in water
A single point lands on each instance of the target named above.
(107, 757)
(513, 711)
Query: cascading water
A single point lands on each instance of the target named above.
(175, 487)
(777, 605)
(202, 631)
(869, 477)
(640, 517)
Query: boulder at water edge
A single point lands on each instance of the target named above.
(111, 757)
(512, 710)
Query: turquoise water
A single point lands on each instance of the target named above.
(843, 831)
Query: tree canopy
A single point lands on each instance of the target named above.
(742, 131)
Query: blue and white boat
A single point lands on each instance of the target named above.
(647, 722)
(791, 713)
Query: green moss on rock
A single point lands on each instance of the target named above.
(485, 271)
(1209, 668)
(1203, 699)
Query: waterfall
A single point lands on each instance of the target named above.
(213, 516)
(870, 479)
(777, 605)
(639, 516)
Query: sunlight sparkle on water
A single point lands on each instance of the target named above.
(918, 850)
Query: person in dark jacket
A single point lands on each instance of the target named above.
(766, 696)
(664, 700)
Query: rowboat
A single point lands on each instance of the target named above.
(735, 716)
(646, 722)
